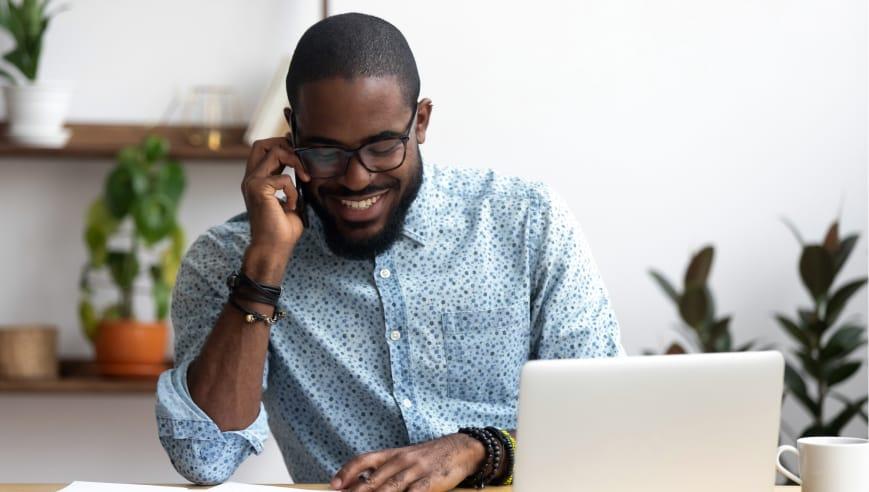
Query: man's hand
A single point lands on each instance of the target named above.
(432, 466)
(275, 226)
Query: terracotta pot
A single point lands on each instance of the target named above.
(131, 348)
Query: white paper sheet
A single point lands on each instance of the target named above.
(117, 487)
(246, 487)
(124, 487)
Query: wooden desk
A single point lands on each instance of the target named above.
(54, 487)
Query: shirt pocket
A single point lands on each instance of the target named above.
(485, 351)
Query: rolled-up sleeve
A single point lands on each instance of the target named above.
(196, 446)
(571, 313)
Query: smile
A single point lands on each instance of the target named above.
(361, 204)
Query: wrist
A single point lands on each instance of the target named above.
(476, 453)
(265, 265)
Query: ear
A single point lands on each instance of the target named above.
(423, 116)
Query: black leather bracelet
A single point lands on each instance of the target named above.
(252, 290)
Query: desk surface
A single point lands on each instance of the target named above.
(54, 487)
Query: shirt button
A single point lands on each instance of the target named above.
(385, 273)
(395, 335)
(407, 403)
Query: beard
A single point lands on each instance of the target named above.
(369, 247)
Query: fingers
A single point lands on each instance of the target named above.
(421, 485)
(349, 473)
(264, 188)
(270, 156)
(396, 474)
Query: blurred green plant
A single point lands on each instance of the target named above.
(822, 351)
(696, 307)
(142, 191)
(26, 21)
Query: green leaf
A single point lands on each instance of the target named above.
(178, 242)
(169, 264)
(96, 240)
(721, 339)
(722, 343)
(155, 148)
(87, 315)
(124, 268)
(797, 387)
(698, 270)
(846, 340)
(841, 372)
(840, 298)
(845, 249)
(811, 366)
(816, 270)
(834, 428)
(692, 306)
(154, 215)
(99, 225)
(170, 181)
(793, 330)
(665, 285)
(161, 293)
(813, 327)
(124, 185)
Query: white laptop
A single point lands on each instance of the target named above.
(675, 423)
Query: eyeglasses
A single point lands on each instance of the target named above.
(379, 156)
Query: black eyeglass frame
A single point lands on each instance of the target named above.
(349, 153)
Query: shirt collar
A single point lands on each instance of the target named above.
(417, 222)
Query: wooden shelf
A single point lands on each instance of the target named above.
(80, 376)
(104, 141)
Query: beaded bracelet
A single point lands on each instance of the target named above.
(509, 443)
(491, 463)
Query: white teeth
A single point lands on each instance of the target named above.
(361, 205)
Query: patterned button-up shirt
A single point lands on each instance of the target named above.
(431, 335)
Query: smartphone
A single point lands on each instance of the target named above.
(301, 206)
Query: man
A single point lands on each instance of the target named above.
(413, 295)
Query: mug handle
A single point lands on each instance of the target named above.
(781, 468)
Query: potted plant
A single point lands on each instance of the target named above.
(696, 307)
(824, 344)
(132, 228)
(35, 109)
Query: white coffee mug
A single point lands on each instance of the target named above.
(829, 464)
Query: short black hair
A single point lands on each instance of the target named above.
(349, 46)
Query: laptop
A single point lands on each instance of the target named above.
(674, 423)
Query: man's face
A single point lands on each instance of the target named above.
(346, 113)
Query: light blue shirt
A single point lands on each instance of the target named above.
(431, 335)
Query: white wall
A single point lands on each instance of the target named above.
(665, 124)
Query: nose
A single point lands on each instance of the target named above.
(356, 178)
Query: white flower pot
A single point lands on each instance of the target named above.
(36, 113)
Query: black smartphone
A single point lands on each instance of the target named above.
(300, 202)
(301, 206)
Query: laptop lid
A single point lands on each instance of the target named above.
(676, 423)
